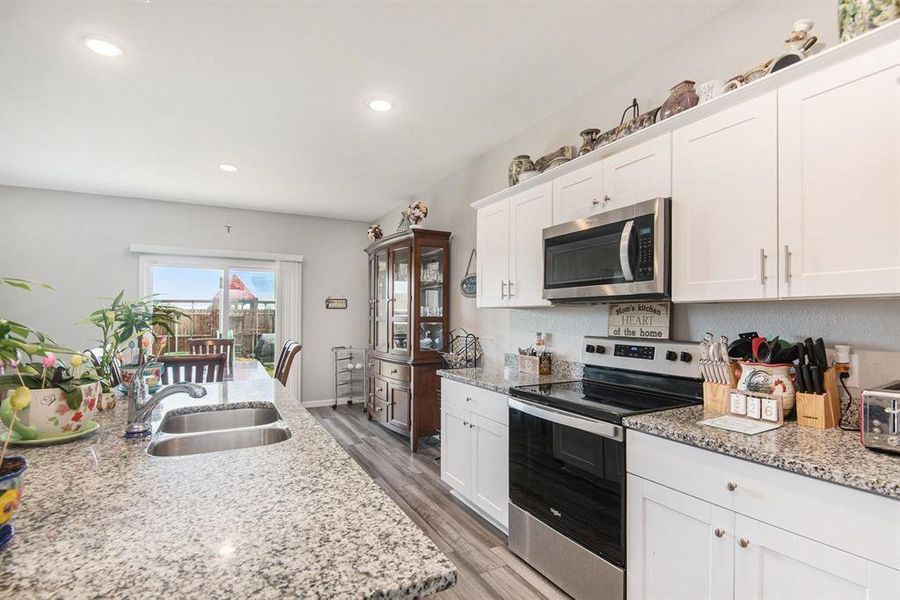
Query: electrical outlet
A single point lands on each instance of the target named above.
(853, 380)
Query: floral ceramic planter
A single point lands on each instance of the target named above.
(49, 415)
(151, 375)
(12, 477)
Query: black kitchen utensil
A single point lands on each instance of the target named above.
(821, 354)
(786, 354)
(740, 349)
(803, 374)
(749, 335)
(816, 369)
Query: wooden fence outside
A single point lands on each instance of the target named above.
(247, 324)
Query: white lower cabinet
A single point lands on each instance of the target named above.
(475, 448)
(678, 546)
(682, 544)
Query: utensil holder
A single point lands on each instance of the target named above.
(820, 411)
(534, 365)
(715, 396)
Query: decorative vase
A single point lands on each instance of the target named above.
(12, 476)
(774, 380)
(520, 163)
(856, 17)
(589, 138)
(49, 415)
(682, 97)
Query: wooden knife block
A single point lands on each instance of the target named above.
(821, 411)
(716, 395)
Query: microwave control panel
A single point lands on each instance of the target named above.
(645, 253)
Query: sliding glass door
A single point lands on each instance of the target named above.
(221, 299)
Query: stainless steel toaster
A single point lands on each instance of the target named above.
(879, 414)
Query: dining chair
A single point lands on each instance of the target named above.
(285, 360)
(96, 355)
(197, 368)
(214, 346)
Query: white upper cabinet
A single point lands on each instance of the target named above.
(633, 175)
(529, 212)
(493, 255)
(725, 204)
(639, 173)
(510, 246)
(839, 178)
(578, 194)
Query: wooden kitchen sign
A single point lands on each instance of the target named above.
(647, 320)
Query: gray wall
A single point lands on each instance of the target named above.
(739, 38)
(79, 244)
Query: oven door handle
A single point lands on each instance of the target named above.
(624, 245)
(601, 428)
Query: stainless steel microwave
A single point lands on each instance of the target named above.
(620, 254)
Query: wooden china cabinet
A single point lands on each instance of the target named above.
(409, 318)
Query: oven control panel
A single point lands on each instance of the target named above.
(664, 357)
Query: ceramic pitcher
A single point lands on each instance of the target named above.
(775, 380)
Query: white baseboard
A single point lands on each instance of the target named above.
(323, 402)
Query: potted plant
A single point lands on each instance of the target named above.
(126, 327)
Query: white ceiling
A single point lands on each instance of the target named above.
(279, 89)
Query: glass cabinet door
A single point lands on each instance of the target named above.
(399, 311)
(380, 310)
(431, 298)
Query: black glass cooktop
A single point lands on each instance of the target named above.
(603, 401)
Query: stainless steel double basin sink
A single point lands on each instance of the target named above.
(217, 429)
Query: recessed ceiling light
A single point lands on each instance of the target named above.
(380, 104)
(103, 47)
(228, 168)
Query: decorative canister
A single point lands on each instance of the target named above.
(520, 163)
(856, 17)
(774, 380)
(710, 89)
(682, 98)
(589, 138)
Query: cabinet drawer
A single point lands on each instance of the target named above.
(858, 522)
(484, 403)
(394, 371)
(374, 367)
(379, 388)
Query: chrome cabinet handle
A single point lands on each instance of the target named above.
(787, 263)
(465, 423)
(393, 371)
(381, 389)
(472, 425)
(731, 486)
(719, 532)
(595, 202)
(468, 399)
(743, 542)
(606, 199)
(502, 290)
(509, 285)
(762, 266)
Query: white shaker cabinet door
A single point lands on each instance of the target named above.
(639, 173)
(578, 194)
(839, 179)
(774, 564)
(490, 468)
(678, 546)
(725, 205)
(529, 213)
(492, 246)
(456, 447)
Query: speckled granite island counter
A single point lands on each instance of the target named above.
(102, 518)
(828, 454)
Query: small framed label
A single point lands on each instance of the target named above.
(335, 303)
(645, 320)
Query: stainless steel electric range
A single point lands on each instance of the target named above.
(567, 458)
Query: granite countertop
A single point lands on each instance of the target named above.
(498, 380)
(102, 518)
(829, 454)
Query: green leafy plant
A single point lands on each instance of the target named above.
(122, 321)
(23, 284)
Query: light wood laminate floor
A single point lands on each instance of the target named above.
(487, 569)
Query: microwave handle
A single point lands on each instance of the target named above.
(624, 245)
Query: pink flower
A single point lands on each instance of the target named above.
(49, 360)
